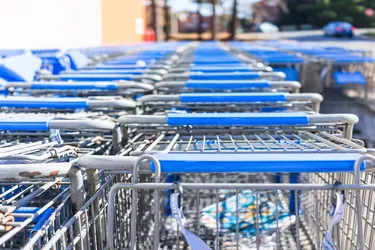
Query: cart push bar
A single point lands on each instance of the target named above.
(194, 241)
(104, 86)
(233, 98)
(228, 85)
(234, 76)
(31, 123)
(117, 71)
(65, 103)
(100, 77)
(231, 68)
(245, 119)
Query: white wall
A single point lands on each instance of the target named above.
(50, 23)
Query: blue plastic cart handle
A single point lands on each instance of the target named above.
(219, 65)
(201, 84)
(225, 76)
(111, 71)
(353, 60)
(233, 119)
(218, 62)
(209, 58)
(284, 60)
(232, 97)
(219, 70)
(127, 63)
(119, 67)
(111, 86)
(22, 125)
(94, 77)
(257, 163)
(51, 103)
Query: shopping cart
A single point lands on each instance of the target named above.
(145, 58)
(173, 87)
(37, 153)
(350, 70)
(220, 68)
(239, 215)
(81, 89)
(57, 60)
(224, 75)
(60, 127)
(92, 77)
(281, 61)
(220, 77)
(110, 106)
(244, 180)
(233, 148)
(53, 60)
(353, 74)
(231, 102)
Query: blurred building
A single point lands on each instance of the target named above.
(123, 21)
(188, 22)
(160, 17)
(268, 10)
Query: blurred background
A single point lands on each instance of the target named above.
(82, 23)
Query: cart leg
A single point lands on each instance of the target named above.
(93, 186)
(77, 197)
(116, 140)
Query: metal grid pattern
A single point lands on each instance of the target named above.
(48, 151)
(73, 226)
(87, 228)
(44, 196)
(36, 151)
(54, 196)
(304, 228)
(252, 142)
(347, 229)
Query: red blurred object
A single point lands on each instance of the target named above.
(339, 29)
(369, 12)
(353, 28)
(149, 36)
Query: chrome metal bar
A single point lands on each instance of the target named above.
(172, 143)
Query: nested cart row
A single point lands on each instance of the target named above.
(177, 146)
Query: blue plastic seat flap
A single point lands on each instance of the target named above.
(20, 68)
(342, 78)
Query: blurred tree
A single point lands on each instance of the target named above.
(199, 28)
(295, 16)
(167, 20)
(320, 12)
(233, 21)
(154, 18)
(200, 19)
(213, 20)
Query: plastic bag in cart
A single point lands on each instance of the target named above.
(269, 219)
